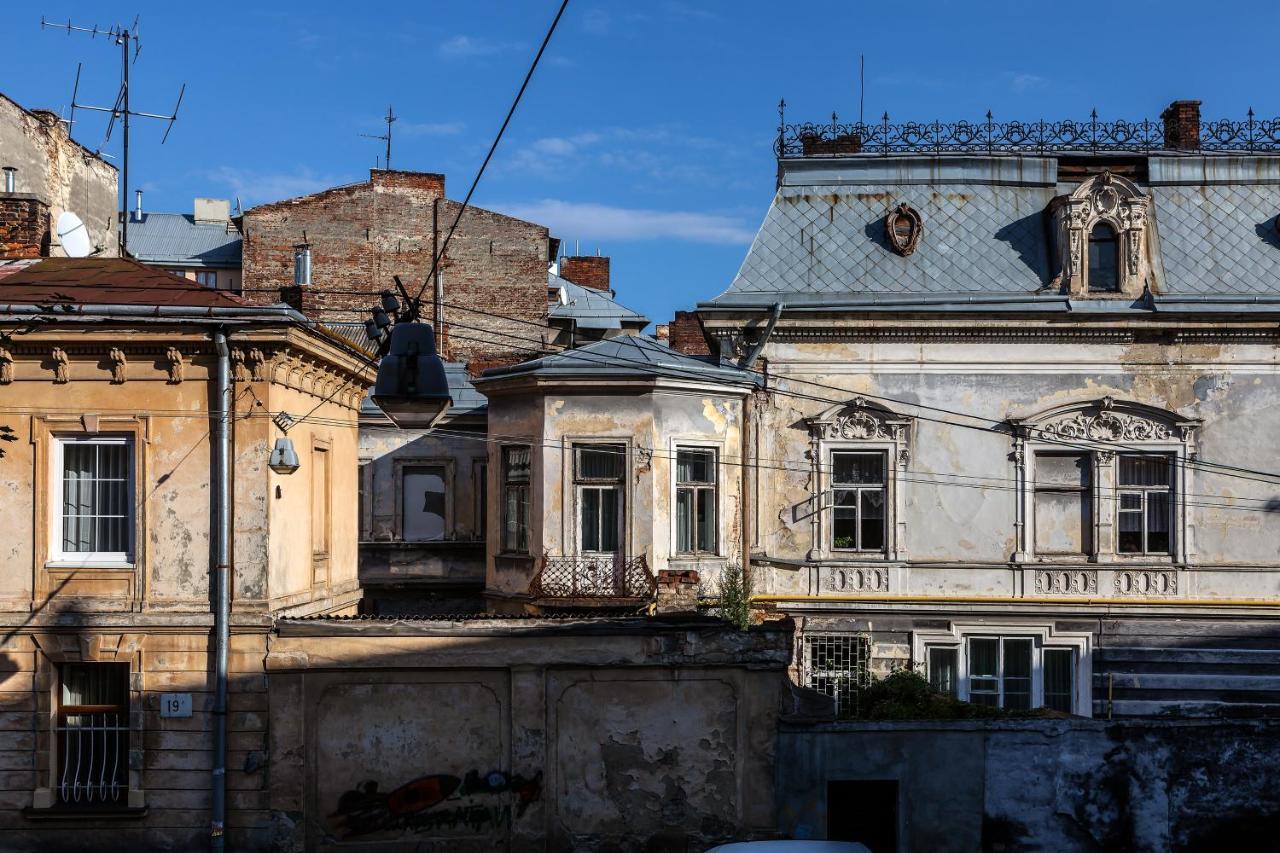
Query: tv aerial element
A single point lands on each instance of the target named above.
(128, 40)
(73, 236)
(386, 137)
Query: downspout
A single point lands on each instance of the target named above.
(750, 360)
(222, 599)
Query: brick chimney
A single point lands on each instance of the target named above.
(677, 591)
(1182, 126)
(686, 334)
(24, 226)
(586, 271)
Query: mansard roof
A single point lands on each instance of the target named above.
(986, 240)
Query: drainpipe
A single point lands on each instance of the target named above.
(221, 580)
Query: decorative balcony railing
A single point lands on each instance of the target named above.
(1019, 137)
(605, 576)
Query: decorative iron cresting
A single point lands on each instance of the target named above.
(1013, 137)
(594, 577)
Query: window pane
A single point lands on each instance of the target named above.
(1103, 258)
(984, 657)
(601, 461)
(515, 463)
(1064, 523)
(1130, 500)
(706, 539)
(1129, 538)
(1063, 469)
(1158, 506)
(1059, 679)
(857, 468)
(695, 466)
(1144, 470)
(1017, 674)
(872, 520)
(609, 520)
(516, 518)
(423, 504)
(844, 527)
(684, 520)
(943, 664)
(591, 519)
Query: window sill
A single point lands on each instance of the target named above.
(121, 565)
(85, 813)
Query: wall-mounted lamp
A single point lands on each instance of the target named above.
(284, 459)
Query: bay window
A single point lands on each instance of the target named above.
(515, 498)
(598, 480)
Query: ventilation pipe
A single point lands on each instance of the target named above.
(137, 206)
(10, 179)
(222, 591)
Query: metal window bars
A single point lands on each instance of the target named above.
(93, 758)
(606, 576)
(838, 665)
(812, 139)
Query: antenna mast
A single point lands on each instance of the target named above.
(389, 118)
(127, 38)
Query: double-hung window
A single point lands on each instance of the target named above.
(1010, 672)
(95, 520)
(1064, 503)
(598, 478)
(695, 500)
(1145, 508)
(92, 735)
(515, 499)
(858, 498)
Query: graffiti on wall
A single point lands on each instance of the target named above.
(439, 802)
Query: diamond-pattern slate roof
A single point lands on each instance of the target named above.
(823, 243)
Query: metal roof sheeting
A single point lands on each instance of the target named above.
(590, 309)
(626, 357)
(178, 239)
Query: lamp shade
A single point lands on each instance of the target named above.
(284, 459)
(412, 389)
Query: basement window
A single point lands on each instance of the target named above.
(1016, 673)
(91, 732)
(838, 665)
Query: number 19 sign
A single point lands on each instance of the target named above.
(175, 704)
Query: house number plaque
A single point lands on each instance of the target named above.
(175, 704)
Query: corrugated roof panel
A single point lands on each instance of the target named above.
(176, 238)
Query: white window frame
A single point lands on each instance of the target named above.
(620, 486)
(1043, 636)
(81, 559)
(833, 506)
(1144, 493)
(717, 501)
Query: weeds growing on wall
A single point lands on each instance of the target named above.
(905, 694)
(734, 594)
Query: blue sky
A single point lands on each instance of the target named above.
(647, 131)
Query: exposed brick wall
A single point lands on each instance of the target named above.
(686, 334)
(364, 234)
(24, 227)
(586, 271)
(1182, 126)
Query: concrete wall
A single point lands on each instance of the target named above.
(61, 173)
(523, 734)
(363, 234)
(1044, 785)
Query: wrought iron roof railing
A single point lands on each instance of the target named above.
(1017, 137)
(605, 576)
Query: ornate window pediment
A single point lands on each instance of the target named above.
(1108, 421)
(859, 420)
(1120, 204)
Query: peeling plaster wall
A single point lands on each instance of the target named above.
(61, 173)
(524, 734)
(1044, 785)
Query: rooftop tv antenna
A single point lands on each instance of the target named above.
(126, 38)
(389, 118)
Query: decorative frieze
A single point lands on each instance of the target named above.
(1146, 582)
(1066, 582)
(853, 580)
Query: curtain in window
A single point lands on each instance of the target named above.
(95, 497)
(1059, 679)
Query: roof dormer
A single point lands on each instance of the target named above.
(1101, 232)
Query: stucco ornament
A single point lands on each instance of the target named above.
(1105, 425)
(1120, 203)
(903, 228)
(6, 366)
(256, 362)
(858, 422)
(60, 362)
(174, 365)
(115, 357)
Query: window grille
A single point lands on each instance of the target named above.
(838, 665)
(92, 735)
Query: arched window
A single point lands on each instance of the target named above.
(1104, 259)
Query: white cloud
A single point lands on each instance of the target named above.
(602, 222)
(259, 187)
(596, 21)
(468, 47)
(1021, 82)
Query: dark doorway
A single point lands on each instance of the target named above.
(864, 811)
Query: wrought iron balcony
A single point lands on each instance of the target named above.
(1018, 137)
(606, 577)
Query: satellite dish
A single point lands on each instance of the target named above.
(73, 235)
